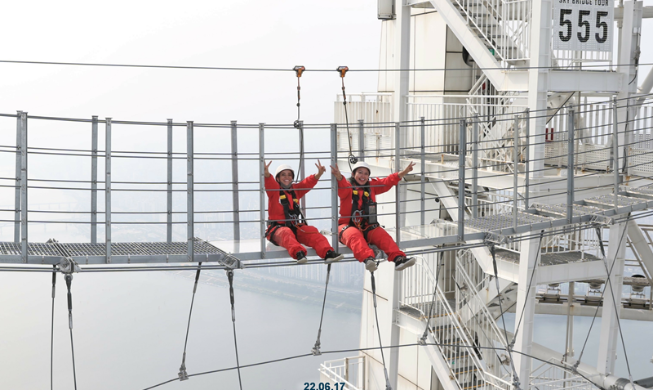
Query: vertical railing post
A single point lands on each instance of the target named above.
(107, 188)
(334, 186)
(19, 150)
(515, 164)
(397, 188)
(23, 187)
(190, 191)
(461, 179)
(361, 140)
(234, 180)
(94, 172)
(570, 164)
(422, 190)
(615, 152)
(169, 185)
(527, 161)
(302, 167)
(261, 157)
(475, 169)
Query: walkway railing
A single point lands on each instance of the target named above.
(174, 181)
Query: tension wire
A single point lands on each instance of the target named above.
(343, 70)
(438, 266)
(316, 348)
(183, 375)
(385, 370)
(54, 283)
(69, 281)
(230, 276)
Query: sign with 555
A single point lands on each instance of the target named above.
(583, 25)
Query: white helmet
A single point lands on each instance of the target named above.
(281, 168)
(361, 164)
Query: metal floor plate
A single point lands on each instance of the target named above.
(560, 210)
(551, 258)
(503, 221)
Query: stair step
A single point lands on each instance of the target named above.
(465, 370)
(471, 385)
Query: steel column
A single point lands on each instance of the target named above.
(94, 172)
(107, 188)
(19, 159)
(461, 179)
(190, 191)
(397, 188)
(475, 169)
(422, 136)
(515, 165)
(261, 171)
(169, 185)
(23, 186)
(334, 186)
(361, 140)
(527, 162)
(570, 165)
(615, 152)
(234, 180)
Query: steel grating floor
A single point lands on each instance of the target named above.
(560, 210)
(643, 190)
(503, 221)
(608, 201)
(551, 258)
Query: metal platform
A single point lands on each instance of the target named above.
(121, 253)
(551, 258)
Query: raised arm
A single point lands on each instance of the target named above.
(320, 170)
(406, 170)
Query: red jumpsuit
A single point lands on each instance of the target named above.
(354, 237)
(283, 235)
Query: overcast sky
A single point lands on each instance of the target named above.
(269, 34)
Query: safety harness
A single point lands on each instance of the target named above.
(292, 213)
(363, 218)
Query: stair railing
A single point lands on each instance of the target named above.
(454, 343)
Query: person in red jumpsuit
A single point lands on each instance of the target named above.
(357, 226)
(287, 227)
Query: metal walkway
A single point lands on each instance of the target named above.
(495, 228)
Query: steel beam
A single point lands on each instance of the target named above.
(107, 188)
(94, 172)
(361, 140)
(474, 169)
(334, 186)
(234, 180)
(398, 188)
(261, 156)
(190, 190)
(570, 164)
(422, 180)
(169, 184)
(23, 187)
(524, 316)
(461, 179)
(18, 176)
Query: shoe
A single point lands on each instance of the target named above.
(332, 257)
(301, 258)
(370, 264)
(402, 262)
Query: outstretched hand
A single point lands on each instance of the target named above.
(336, 172)
(406, 170)
(267, 167)
(320, 170)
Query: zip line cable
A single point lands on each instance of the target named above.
(54, 284)
(183, 375)
(256, 69)
(343, 70)
(563, 367)
(316, 348)
(230, 276)
(376, 316)
(69, 281)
